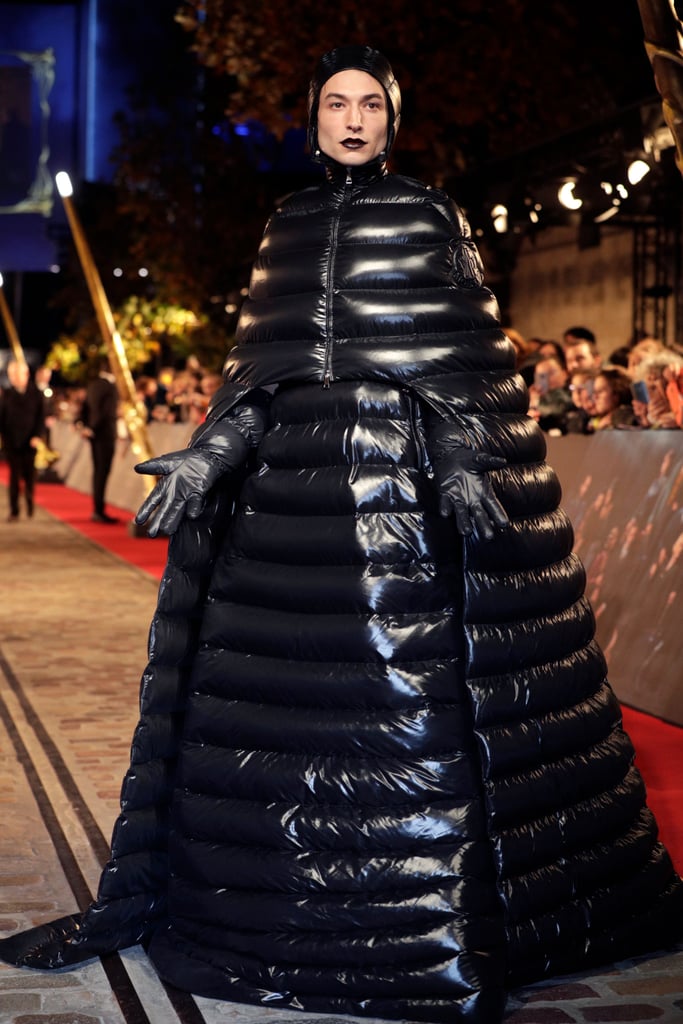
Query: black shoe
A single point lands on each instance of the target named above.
(102, 517)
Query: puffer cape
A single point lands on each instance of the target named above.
(379, 769)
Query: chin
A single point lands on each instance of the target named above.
(353, 158)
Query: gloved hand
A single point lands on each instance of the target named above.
(188, 475)
(464, 487)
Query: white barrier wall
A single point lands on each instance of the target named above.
(623, 491)
(125, 487)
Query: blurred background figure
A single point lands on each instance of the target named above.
(21, 429)
(641, 351)
(549, 397)
(99, 416)
(612, 400)
(581, 385)
(580, 349)
(657, 389)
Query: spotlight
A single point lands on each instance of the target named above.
(64, 186)
(566, 196)
(637, 170)
(499, 216)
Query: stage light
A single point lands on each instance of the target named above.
(499, 216)
(637, 170)
(567, 197)
(63, 183)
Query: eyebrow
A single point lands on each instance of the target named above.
(343, 96)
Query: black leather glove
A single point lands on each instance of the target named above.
(464, 487)
(188, 475)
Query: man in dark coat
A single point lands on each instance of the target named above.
(21, 429)
(379, 769)
(99, 417)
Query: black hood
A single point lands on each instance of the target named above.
(361, 58)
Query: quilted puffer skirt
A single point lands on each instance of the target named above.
(328, 848)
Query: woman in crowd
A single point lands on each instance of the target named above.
(612, 400)
(659, 405)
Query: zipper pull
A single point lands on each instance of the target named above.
(326, 379)
(349, 179)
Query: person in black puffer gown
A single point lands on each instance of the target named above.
(379, 769)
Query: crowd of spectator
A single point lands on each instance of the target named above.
(574, 389)
(173, 395)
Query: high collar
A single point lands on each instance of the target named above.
(364, 174)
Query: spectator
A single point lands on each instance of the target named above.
(660, 374)
(21, 428)
(643, 350)
(577, 420)
(152, 394)
(619, 356)
(574, 334)
(98, 423)
(612, 401)
(673, 375)
(549, 397)
(552, 350)
(522, 348)
(580, 350)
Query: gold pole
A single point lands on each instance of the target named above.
(10, 327)
(118, 361)
(663, 29)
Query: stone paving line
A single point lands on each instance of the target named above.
(73, 631)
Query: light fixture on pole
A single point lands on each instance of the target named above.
(499, 216)
(637, 170)
(568, 197)
(118, 360)
(10, 327)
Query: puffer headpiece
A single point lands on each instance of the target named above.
(360, 58)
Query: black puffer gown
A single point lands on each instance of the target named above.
(397, 778)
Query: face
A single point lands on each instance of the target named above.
(352, 118)
(549, 375)
(579, 357)
(581, 389)
(18, 374)
(603, 397)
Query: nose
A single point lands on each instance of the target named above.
(355, 123)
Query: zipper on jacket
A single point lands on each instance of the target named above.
(327, 367)
(423, 461)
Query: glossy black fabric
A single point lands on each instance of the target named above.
(379, 769)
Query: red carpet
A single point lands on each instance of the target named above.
(659, 757)
(75, 508)
(659, 745)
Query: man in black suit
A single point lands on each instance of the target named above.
(99, 416)
(21, 428)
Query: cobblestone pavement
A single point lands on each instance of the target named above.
(73, 631)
